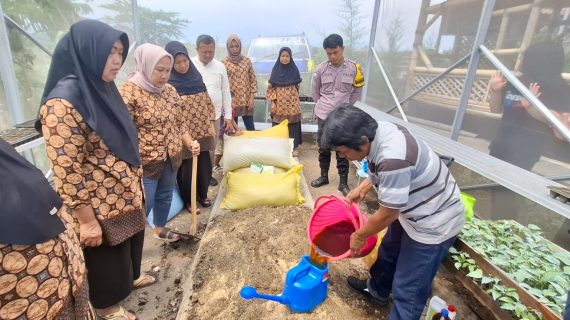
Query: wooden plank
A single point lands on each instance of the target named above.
(484, 298)
(489, 268)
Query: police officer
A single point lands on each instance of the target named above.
(336, 81)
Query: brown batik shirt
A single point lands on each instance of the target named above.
(243, 85)
(199, 113)
(160, 125)
(45, 281)
(284, 103)
(86, 173)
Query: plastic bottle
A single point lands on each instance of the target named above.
(365, 165)
(435, 305)
(452, 312)
(442, 315)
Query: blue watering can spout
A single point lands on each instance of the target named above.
(249, 292)
(305, 287)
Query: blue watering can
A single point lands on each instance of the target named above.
(306, 287)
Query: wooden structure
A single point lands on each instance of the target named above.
(515, 24)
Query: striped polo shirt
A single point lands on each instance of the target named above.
(409, 176)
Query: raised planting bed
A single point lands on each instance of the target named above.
(522, 272)
(257, 247)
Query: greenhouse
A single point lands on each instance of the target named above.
(470, 102)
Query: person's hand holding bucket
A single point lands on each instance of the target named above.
(359, 193)
(357, 242)
(333, 226)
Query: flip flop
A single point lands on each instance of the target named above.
(189, 209)
(120, 314)
(166, 235)
(140, 282)
(206, 203)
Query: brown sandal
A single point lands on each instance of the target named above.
(166, 235)
(144, 281)
(120, 314)
(189, 209)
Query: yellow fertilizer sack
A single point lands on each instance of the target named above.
(242, 152)
(279, 131)
(248, 190)
(248, 170)
(372, 256)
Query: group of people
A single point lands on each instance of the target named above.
(117, 152)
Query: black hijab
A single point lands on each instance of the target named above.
(190, 82)
(27, 201)
(543, 63)
(76, 74)
(284, 75)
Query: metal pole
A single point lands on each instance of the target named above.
(389, 85)
(9, 80)
(496, 185)
(432, 81)
(371, 43)
(484, 21)
(534, 101)
(136, 22)
(27, 35)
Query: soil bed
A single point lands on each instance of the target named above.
(257, 247)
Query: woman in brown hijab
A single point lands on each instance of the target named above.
(243, 84)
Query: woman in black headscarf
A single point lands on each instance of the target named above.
(199, 113)
(524, 132)
(92, 145)
(283, 92)
(35, 238)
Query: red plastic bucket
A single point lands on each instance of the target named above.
(330, 226)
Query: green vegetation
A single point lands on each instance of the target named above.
(536, 264)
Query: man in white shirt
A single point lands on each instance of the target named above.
(215, 77)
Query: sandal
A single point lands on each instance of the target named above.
(145, 280)
(120, 314)
(166, 235)
(206, 203)
(189, 209)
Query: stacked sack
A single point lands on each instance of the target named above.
(260, 170)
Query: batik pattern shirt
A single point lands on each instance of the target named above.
(243, 85)
(45, 281)
(87, 173)
(284, 103)
(160, 125)
(199, 114)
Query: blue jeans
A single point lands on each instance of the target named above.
(158, 194)
(247, 121)
(406, 268)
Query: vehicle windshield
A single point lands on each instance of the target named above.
(268, 48)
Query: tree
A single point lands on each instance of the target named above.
(351, 25)
(40, 18)
(157, 26)
(49, 16)
(394, 35)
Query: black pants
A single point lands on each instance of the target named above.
(111, 270)
(325, 155)
(184, 178)
(248, 121)
(505, 204)
(294, 132)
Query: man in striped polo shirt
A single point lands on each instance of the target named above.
(419, 203)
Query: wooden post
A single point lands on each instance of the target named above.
(529, 31)
(417, 42)
(502, 30)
